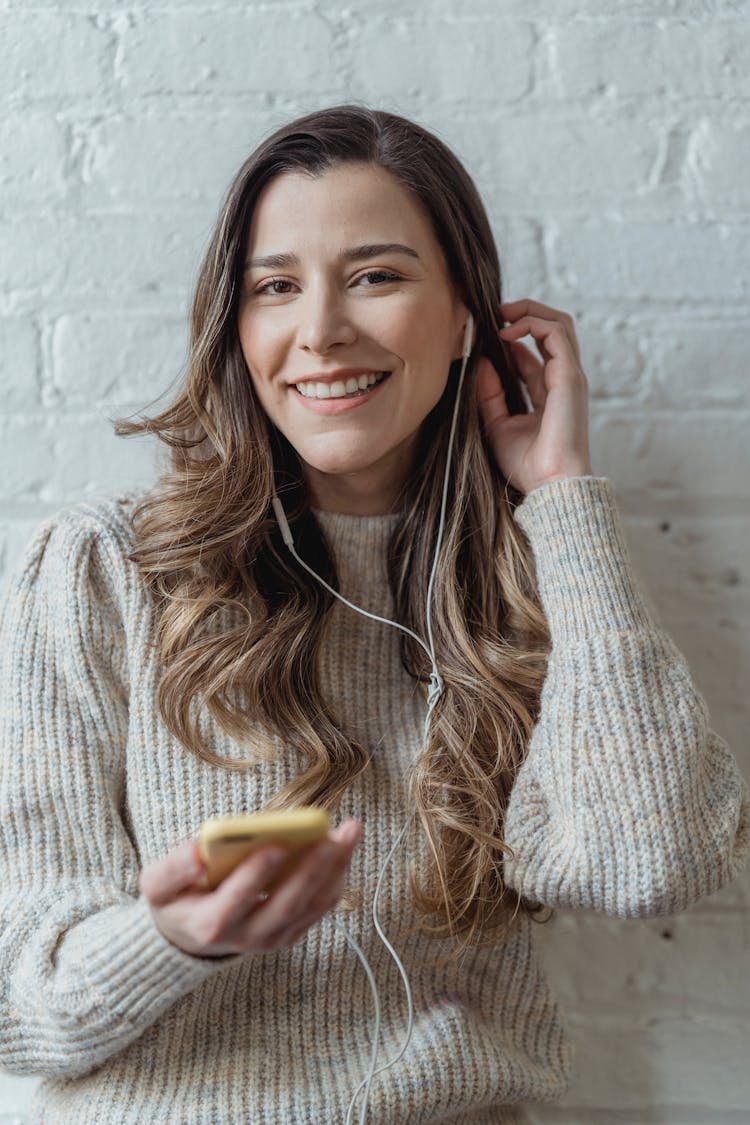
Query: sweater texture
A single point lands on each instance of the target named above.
(627, 804)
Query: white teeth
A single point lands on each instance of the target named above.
(339, 388)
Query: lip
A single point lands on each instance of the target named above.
(339, 405)
(332, 376)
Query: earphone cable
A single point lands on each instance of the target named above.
(434, 693)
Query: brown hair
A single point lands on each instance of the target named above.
(208, 547)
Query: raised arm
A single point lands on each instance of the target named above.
(627, 803)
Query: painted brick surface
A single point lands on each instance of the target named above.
(610, 143)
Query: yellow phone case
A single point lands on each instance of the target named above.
(223, 842)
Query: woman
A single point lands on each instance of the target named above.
(171, 659)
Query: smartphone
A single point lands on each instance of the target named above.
(224, 841)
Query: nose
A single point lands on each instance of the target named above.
(323, 321)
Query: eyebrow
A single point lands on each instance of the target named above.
(354, 254)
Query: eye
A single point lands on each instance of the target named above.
(378, 277)
(266, 287)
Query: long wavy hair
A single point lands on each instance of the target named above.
(239, 621)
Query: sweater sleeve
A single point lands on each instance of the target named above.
(627, 803)
(83, 968)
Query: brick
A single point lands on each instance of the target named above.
(26, 460)
(16, 537)
(57, 460)
(115, 360)
(520, 252)
(703, 361)
(19, 388)
(612, 354)
(650, 260)
(32, 159)
(718, 165)
(667, 58)
(169, 156)
(539, 160)
(107, 258)
(569, 11)
(250, 51)
(90, 460)
(49, 54)
(432, 59)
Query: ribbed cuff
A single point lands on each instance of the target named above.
(585, 577)
(120, 958)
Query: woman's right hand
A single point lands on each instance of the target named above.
(236, 917)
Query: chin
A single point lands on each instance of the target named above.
(339, 467)
(339, 462)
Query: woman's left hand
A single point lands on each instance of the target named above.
(552, 441)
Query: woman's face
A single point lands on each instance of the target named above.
(348, 324)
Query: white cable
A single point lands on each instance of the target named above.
(444, 500)
(364, 612)
(433, 698)
(376, 1001)
(434, 693)
(376, 1034)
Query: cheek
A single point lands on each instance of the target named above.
(261, 354)
(418, 338)
(430, 352)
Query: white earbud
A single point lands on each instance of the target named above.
(468, 333)
(286, 531)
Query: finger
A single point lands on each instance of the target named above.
(490, 393)
(241, 892)
(319, 873)
(550, 335)
(293, 931)
(349, 832)
(513, 310)
(528, 362)
(527, 305)
(164, 879)
(328, 895)
(314, 878)
(531, 369)
(282, 938)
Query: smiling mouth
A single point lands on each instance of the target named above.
(353, 387)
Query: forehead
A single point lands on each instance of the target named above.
(347, 205)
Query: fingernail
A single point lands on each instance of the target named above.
(349, 832)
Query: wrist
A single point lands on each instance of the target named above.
(584, 471)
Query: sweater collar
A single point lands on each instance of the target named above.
(359, 544)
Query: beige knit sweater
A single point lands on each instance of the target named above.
(627, 804)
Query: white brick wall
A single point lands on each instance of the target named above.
(610, 142)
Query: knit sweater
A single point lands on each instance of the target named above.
(627, 804)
